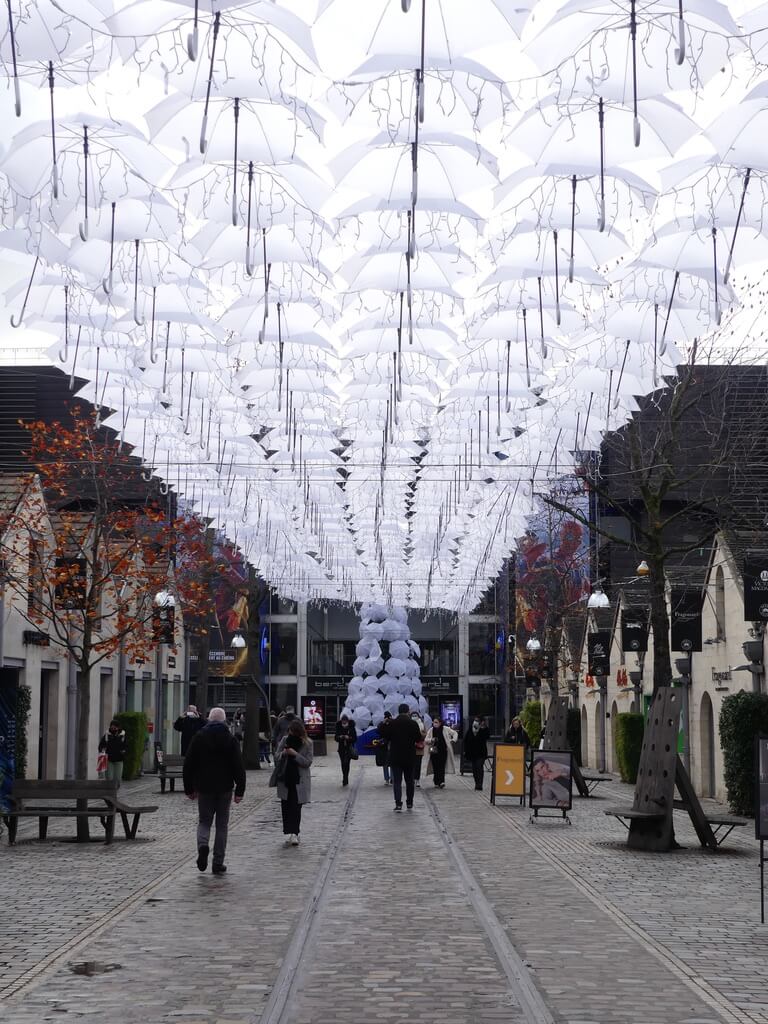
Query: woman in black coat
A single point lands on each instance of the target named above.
(346, 735)
(476, 748)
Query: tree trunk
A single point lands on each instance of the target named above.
(662, 666)
(82, 753)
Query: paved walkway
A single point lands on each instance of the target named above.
(456, 911)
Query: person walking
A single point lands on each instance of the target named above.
(517, 734)
(238, 726)
(476, 748)
(402, 734)
(282, 725)
(213, 768)
(188, 724)
(346, 735)
(112, 743)
(292, 777)
(419, 749)
(382, 749)
(439, 742)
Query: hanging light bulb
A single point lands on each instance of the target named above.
(598, 598)
(237, 642)
(533, 645)
(643, 569)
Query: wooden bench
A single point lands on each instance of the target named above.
(717, 822)
(55, 798)
(169, 767)
(593, 781)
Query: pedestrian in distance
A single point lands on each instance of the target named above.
(291, 775)
(439, 742)
(346, 736)
(238, 725)
(419, 748)
(476, 748)
(213, 768)
(112, 743)
(282, 725)
(188, 724)
(517, 734)
(402, 734)
(382, 749)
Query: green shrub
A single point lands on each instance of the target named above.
(530, 716)
(629, 728)
(23, 707)
(135, 725)
(742, 717)
(573, 732)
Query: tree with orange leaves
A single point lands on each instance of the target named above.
(90, 563)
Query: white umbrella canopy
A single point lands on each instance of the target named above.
(737, 134)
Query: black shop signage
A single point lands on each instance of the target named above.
(634, 629)
(599, 652)
(755, 586)
(686, 619)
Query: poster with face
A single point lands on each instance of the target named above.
(551, 779)
(313, 716)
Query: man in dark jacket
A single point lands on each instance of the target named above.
(476, 748)
(402, 734)
(188, 724)
(213, 767)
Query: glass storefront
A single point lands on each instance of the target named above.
(484, 657)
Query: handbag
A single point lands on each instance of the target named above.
(278, 772)
(353, 754)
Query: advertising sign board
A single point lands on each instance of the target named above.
(508, 777)
(313, 716)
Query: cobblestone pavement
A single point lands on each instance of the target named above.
(456, 911)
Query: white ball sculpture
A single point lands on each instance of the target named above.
(386, 669)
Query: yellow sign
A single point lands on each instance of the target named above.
(508, 770)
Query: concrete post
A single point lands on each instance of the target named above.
(602, 682)
(71, 757)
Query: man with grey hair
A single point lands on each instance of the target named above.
(213, 767)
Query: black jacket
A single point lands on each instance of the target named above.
(114, 744)
(513, 735)
(188, 726)
(214, 763)
(345, 738)
(403, 734)
(476, 744)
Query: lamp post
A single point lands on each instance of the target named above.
(684, 667)
(163, 622)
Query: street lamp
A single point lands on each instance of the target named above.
(163, 621)
(643, 569)
(598, 598)
(533, 646)
(237, 642)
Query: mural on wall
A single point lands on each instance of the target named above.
(552, 574)
(230, 613)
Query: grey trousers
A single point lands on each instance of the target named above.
(210, 805)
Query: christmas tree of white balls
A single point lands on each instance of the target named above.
(386, 669)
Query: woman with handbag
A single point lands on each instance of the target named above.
(291, 776)
(346, 735)
(419, 748)
(439, 743)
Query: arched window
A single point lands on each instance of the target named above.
(720, 603)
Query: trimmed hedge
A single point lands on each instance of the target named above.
(530, 716)
(135, 725)
(573, 732)
(629, 741)
(23, 708)
(742, 717)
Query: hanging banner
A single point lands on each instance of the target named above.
(634, 629)
(508, 770)
(686, 619)
(755, 586)
(599, 652)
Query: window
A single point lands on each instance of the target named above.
(720, 603)
(283, 649)
(438, 657)
(483, 659)
(330, 657)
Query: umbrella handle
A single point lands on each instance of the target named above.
(405, 6)
(83, 228)
(601, 216)
(192, 44)
(55, 183)
(146, 475)
(107, 284)
(139, 320)
(249, 266)
(203, 130)
(17, 94)
(680, 49)
(163, 487)
(570, 270)
(636, 125)
(14, 323)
